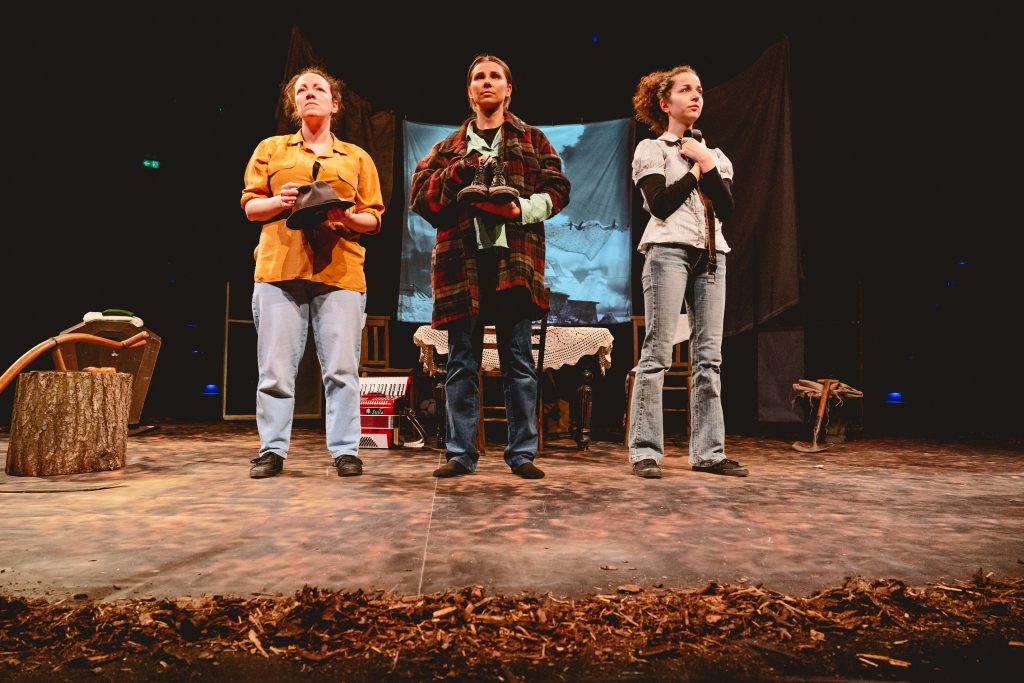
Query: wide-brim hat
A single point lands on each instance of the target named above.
(312, 205)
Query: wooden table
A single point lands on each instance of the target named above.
(572, 346)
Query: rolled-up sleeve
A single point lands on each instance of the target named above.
(368, 196)
(257, 179)
(535, 209)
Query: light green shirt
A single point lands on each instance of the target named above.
(535, 208)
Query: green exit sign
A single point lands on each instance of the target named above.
(150, 163)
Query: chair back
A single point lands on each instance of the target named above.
(680, 352)
(496, 412)
(375, 350)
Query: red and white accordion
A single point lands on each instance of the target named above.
(383, 401)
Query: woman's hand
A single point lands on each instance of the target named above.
(288, 195)
(271, 208)
(510, 210)
(351, 225)
(698, 152)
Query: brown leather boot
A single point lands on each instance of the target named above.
(476, 191)
(501, 192)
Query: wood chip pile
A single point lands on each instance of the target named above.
(863, 621)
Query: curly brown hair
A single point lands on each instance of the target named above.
(652, 89)
(488, 58)
(288, 92)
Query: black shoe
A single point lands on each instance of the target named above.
(501, 192)
(452, 468)
(348, 466)
(476, 191)
(266, 465)
(647, 468)
(529, 471)
(729, 468)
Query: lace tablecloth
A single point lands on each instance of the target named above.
(563, 346)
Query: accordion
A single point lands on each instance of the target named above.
(383, 402)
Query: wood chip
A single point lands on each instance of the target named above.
(884, 658)
(256, 641)
(661, 651)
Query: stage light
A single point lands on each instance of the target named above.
(211, 390)
(595, 39)
(962, 263)
(894, 397)
(191, 326)
(951, 283)
(150, 163)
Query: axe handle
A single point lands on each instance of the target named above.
(826, 387)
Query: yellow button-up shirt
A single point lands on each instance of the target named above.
(322, 254)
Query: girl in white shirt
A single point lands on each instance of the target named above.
(687, 189)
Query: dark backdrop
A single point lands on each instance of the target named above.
(900, 121)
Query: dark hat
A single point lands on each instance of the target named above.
(313, 202)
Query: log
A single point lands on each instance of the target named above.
(69, 423)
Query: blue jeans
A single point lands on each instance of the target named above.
(283, 312)
(462, 396)
(672, 275)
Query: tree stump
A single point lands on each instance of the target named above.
(69, 423)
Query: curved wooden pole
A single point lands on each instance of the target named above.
(826, 389)
(132, 342)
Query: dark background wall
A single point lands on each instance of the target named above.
(900, 118)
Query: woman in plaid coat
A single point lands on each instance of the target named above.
(487, 188)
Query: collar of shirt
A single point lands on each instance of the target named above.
(670, 138)
(475, 143)
(297, 140)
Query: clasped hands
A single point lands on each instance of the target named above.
(698, 152)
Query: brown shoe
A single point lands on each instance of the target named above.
(266, 465)
(452, 468)
(727, 467)
(648, 468)
(529, 471)
(348, 466)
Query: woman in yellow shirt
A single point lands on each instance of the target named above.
(312, 275)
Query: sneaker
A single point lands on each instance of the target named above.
(266, 465)
(501, 192)
(348, 466)
(529, 471)
(452, 468)
(476, 191)
(728, 467)
(647, 468)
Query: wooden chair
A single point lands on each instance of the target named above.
(375, 350)
(677, 377)
(495, 412)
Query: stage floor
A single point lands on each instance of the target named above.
(183, 518)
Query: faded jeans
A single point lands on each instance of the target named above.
(674, 274)
(462, 396)
(283, 312)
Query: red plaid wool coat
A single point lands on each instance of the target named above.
(533, 166)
